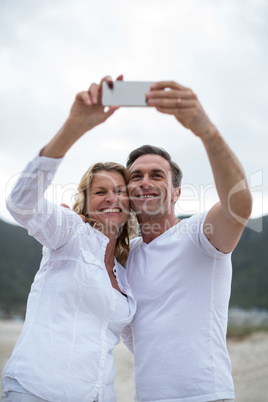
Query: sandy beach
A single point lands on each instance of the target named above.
(249, 362)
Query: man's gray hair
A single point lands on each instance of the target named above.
(150, 149)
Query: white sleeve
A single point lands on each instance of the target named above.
(127, 338)
(50, 224)
(194, 228)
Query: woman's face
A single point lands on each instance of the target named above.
(108, 201)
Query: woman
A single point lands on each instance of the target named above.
(80, 299)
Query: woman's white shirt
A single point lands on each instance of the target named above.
(64, 352)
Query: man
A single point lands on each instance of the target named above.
(180, 271)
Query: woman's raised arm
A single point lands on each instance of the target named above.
(86, 113)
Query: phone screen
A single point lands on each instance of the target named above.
(125, 93)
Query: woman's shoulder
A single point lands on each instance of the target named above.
(135, 243)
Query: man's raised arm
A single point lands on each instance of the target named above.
(226, 220)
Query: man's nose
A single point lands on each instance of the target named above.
(145, 181)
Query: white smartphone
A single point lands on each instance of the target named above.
(125, 93)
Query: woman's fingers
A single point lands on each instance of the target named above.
(108, 79)
(84, 96)
(110, 111)
(120, 78)
(94, 93)
(95, 90)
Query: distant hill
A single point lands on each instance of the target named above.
(21, 255)
(250, 267)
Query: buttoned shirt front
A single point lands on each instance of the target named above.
(64, 352)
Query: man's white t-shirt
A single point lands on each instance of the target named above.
(182, 287)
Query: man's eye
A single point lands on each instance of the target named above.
(157, 176)
(136, 177)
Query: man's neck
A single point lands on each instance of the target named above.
(152, 227)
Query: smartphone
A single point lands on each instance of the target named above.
(125, 93)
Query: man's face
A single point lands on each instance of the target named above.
(150, 187)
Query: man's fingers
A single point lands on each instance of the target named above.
(83, 217)
(177, 112)
(175, 103)
(65, 206)
(170, 94)
(167, 84)
(165, 110)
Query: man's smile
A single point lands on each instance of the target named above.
(146, 196)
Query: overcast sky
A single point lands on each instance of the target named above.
(51, 50)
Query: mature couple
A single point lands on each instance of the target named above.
(169, 303)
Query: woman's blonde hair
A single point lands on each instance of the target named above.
(129, 229)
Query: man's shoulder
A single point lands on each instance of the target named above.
(193, 218)
(188, 225)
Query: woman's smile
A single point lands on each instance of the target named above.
(108, 201)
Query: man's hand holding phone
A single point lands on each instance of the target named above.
(167, 97)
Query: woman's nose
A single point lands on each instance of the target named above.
(111, 197)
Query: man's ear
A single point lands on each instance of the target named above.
(176, 194)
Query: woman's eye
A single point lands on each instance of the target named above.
(120, 192)
(99, 192)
